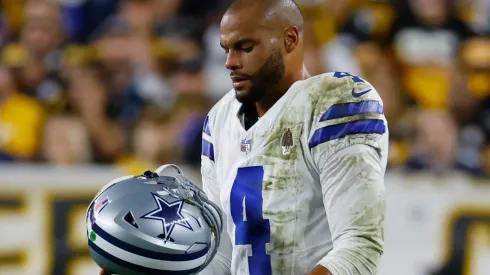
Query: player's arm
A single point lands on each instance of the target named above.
(349, 147)
(353, 191)
(221, 264)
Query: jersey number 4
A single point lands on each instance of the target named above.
(246, 212)
(343, 74)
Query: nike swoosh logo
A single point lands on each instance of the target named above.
(354, 94)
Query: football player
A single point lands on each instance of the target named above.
(296, 162)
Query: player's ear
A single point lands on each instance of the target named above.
(292, 38)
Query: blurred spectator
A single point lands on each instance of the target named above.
(35, 60)
(358, 48)
(413, 53)
(81, 18)
(139, 16)
(21, 121)
(4, 31)
(89, 99)
(66, 141)
(426, 41)
(12, 13)
(476, 13)
(476, 130)
(146, 148)
(132, 80)
(216, 74)
(435, 142)
(436, 145)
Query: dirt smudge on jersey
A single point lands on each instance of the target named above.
(366, 212)
(279, 179)
(281, 216)
(278, 184)
(282, 248)
(325, 91)
(282, 267)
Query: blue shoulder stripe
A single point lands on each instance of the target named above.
(370, 126)
(208, 149)
(353, 108)
(205, 127)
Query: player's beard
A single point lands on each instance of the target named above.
(265, 80)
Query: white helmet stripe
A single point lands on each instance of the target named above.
(147, 262)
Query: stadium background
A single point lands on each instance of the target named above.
(94, 89)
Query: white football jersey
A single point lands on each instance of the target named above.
(304, 185)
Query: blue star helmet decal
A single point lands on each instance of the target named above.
(169, 214)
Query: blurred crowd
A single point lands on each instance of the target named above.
(130, 82)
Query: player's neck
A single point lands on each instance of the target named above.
(277, 92)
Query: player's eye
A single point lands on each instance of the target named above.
(248, 49)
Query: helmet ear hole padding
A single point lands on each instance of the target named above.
(129, 218)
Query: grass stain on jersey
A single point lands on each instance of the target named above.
(279, 179)
(279, 184)
(281, 247)
(280, 243)
(327, 91)
(370, 214)
(280, 216)
(282, 266)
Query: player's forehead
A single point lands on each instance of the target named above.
(236, 26)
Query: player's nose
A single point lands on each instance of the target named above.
(233, 62)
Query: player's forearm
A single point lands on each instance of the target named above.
(355, 205)
(361, 260)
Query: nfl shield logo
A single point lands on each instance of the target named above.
(246, 146)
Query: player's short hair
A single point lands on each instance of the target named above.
(296, 16)
(283, 10)
(298, 8)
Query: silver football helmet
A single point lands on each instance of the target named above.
(153, 224)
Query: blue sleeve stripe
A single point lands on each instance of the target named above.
(353, 108)
(208, 149)
(372, 126)
(205, 127)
